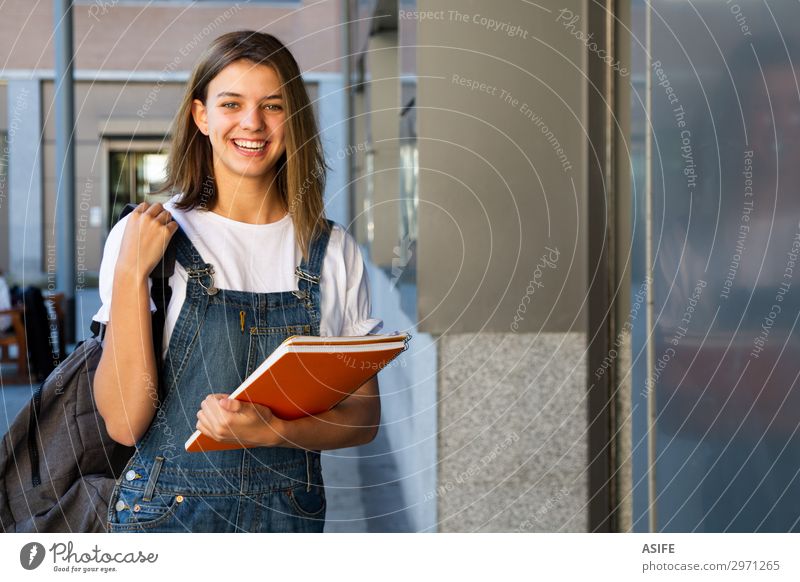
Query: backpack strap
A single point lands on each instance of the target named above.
(161, 293)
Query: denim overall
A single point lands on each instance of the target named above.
(220, 337)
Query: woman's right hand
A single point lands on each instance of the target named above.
(147, 234)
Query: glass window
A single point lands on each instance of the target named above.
(133, 176)
(716, 138)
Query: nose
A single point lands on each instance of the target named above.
(252, 119)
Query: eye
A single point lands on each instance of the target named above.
(225, 105)
(273, 107)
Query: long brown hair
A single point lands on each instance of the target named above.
(300, 171)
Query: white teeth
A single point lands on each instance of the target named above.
(250, 145)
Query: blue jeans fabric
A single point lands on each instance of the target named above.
(220, 337)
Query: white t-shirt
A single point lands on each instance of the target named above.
(259, 258)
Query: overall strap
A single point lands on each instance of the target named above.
(185, 251)
(194, 264)
(308, 274)
(309, 270)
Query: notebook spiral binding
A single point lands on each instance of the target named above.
(405, 342)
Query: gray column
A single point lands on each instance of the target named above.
(383, 134)
(501, 260)
(25, 188)
(333, 130)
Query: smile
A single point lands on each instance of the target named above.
(250, 147)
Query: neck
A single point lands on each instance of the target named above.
(248, 200)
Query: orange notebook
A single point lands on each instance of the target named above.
(308, 375)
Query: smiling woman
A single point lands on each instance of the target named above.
(256, 262)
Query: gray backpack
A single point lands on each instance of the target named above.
(58, 466)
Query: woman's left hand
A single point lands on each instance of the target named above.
(227, 420)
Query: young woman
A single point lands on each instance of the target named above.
(256, 262)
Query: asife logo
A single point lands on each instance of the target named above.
(32, 555)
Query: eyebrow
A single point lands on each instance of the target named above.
(230, 94)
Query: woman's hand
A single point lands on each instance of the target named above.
(147, 234)
(245, 423)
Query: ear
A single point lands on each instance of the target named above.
(200, 116)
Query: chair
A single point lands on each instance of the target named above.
(16, 337)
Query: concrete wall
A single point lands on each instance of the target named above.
(502, 131)
(136, 37)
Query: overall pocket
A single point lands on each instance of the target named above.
(135, 509)
(131, 513)
(307, 502)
